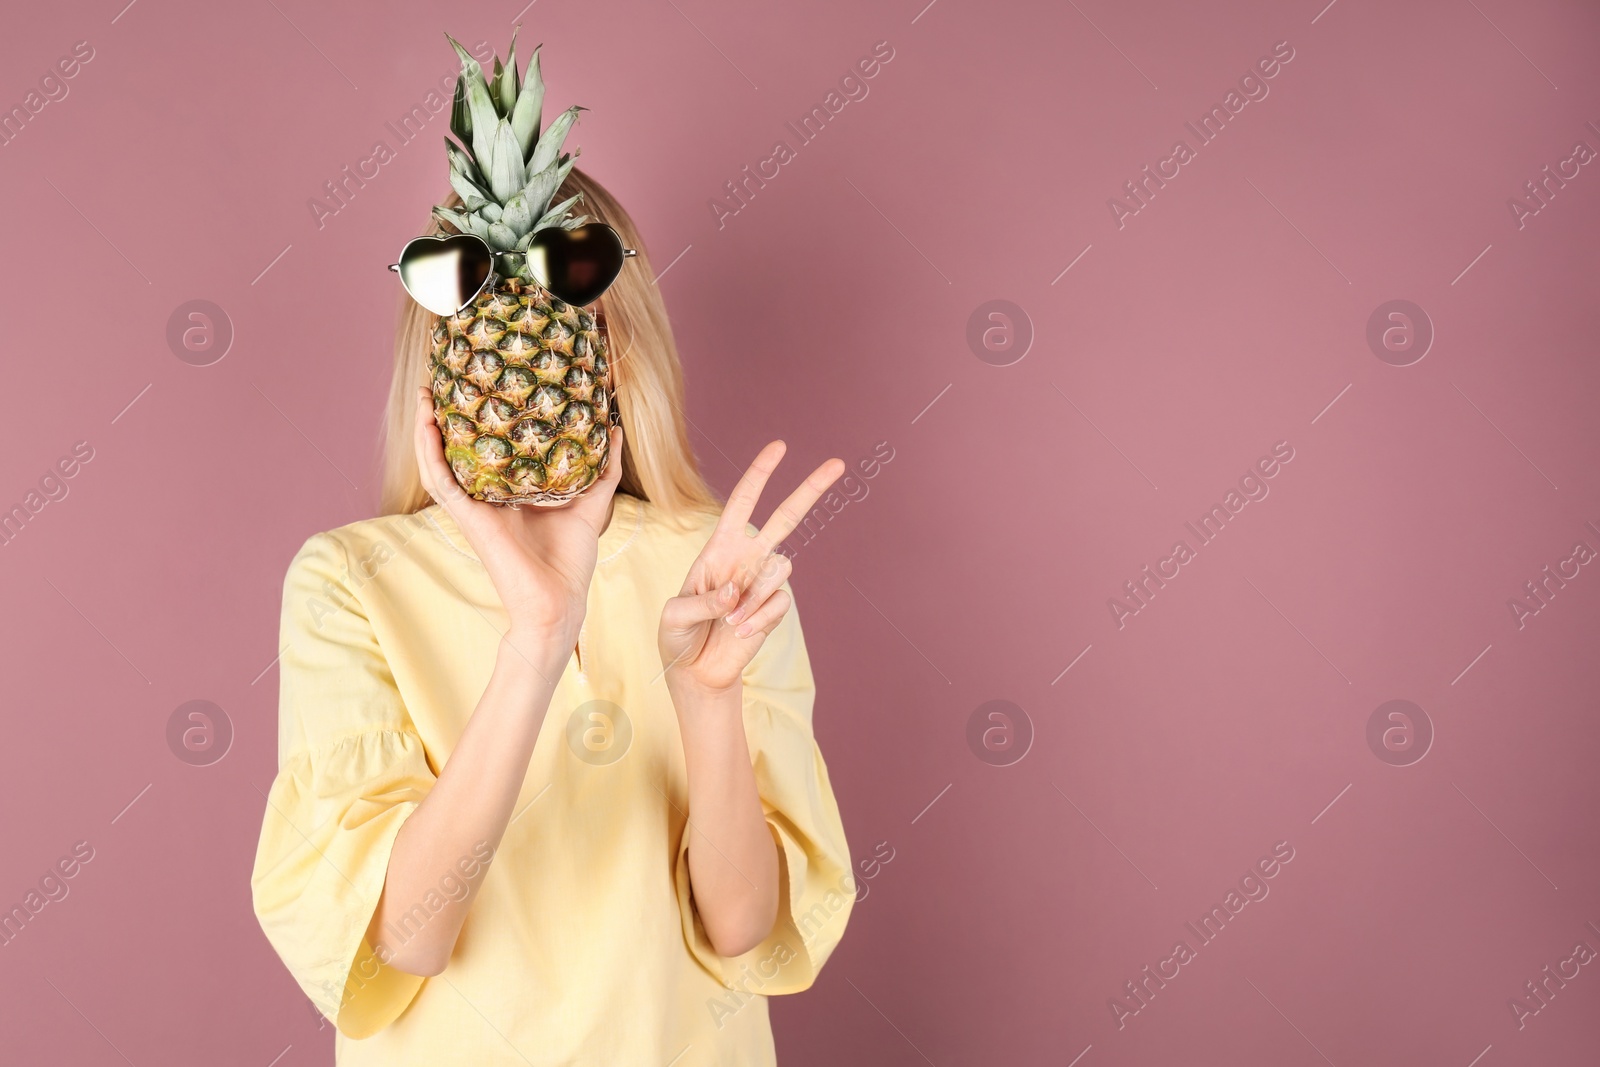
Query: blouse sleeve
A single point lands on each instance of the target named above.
(351, 769)
(816, 887)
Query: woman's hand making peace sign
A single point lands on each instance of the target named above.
(733, 596)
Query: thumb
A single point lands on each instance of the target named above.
(685, 612)
(593, 501)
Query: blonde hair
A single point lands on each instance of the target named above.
(658, 463)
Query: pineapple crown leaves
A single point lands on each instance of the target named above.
(504, 169)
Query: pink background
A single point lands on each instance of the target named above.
(1228, 715)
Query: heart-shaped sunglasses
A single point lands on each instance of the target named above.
(446, 274)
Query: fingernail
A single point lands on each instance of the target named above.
(728, 591)
(734, 616)
(743, 631)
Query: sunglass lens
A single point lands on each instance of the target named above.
(444, 274)
(576, 265)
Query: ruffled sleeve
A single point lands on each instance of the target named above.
(352, 768)
(816, 887)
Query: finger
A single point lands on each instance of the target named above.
(773, 571)
(613, 471)
(686, 612)
(766, 618)
(742, 501)
(790, 513)
(698, 580)
(592, 502)
(432, 468)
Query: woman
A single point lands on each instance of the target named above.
(548, 790)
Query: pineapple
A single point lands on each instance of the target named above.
(522, 386)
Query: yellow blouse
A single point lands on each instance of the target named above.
(583, 945)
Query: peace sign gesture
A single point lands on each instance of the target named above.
(733, 596)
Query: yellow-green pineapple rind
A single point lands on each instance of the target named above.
(523, 395)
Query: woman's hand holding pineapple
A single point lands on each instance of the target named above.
(539, 559)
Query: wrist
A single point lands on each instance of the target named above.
(710, 718)
(544, 648)
(686, 689)
(526, 629)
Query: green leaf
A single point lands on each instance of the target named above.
(453, 217)
(462, 162)
(530, 103)
(517, 215)
(501, 238)
(463, 222)
(554, 215)
(460, 114)
(542, 186)
(574, 223)
(505, 80)
(500, 109)
(490, 212)
(484, 117)
(470, 67)
(549, 144)
(505, 173)
(473, 196)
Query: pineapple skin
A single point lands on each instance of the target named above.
(523, 395)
